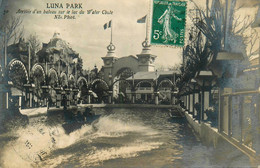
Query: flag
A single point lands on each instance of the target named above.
(108, 25)
(142, 20)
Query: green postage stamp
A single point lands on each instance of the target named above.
(168, 22)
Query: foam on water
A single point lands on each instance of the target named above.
(37, 141)
(110, 126)
(131, 150)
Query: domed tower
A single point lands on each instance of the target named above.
(146, 59)
(108, 60)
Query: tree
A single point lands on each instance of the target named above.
(10, 28)
(227, 32)
(35, 46)
(80, 66)
(216, 32)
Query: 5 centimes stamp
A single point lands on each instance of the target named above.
(168, 22)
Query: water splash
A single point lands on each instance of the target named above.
(111, 126)
(112, 136)
(35, 142)
(96, 157)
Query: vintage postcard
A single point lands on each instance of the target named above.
(130, 83)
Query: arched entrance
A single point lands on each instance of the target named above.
(71, 81)
(165, 88)
(100, 91)
(53, 81)
(38, 78)
(144, 92)
(82, 83)
(64, 80)
(53, 78)
(17, 73)
(121, 87)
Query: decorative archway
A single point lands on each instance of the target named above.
(38, 77)
(101, 81)
(119, 84)
(130, 62)
(122, 90)
(165, 83)
(124, 73)
(100, 89)
(17, 72)
(122, 80)
(63, 79)
(152, 85)
(53, 77)
(71, 81)
(40, 68)
(81, 81)
(165, 88)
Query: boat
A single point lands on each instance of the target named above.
(34, 111)
(77, 120)
(174, 113)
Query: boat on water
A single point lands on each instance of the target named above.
(174, 113)
(74, 117)
(34, 111)
(44, 110)
(74, 121)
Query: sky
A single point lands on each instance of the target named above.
(86, 34)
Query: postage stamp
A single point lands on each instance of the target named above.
(168, 22)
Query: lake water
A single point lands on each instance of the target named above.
(113, 138)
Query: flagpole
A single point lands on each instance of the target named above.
(111, 32)
(146, 32)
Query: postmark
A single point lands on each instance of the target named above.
(168, 23)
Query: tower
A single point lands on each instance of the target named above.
(108, 60)
(146, 59)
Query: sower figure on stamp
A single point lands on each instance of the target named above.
(168, 33)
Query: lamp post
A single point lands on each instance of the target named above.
(29, 59)
(76, 71)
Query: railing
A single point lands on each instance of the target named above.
(142, 88)
(239, 117)
(165, 89)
